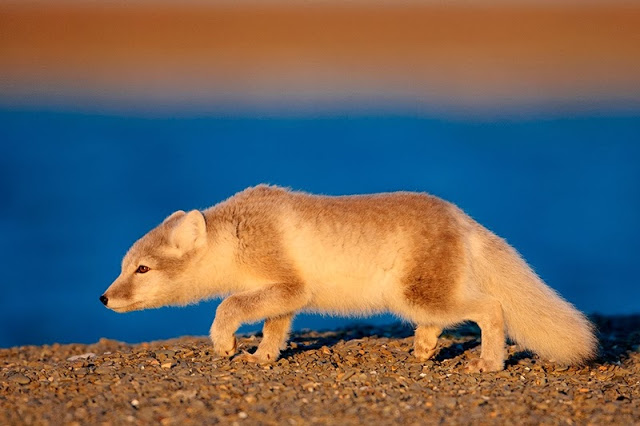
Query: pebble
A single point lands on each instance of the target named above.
(103, 370)
(164, 354)
(88, 355)
(20, 379)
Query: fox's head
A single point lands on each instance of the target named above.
(161, 267)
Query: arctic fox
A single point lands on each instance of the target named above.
(276, 252)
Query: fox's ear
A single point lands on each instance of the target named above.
(189, 231)
(174, 215)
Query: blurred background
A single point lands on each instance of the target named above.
(114, 114)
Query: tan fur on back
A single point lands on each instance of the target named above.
(277, 252)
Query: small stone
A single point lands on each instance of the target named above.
(184, 395)
(242, 415)
(80, 371)
(20, 379)
(164, 354)
(346, 375)
(103, 370)
(135, 403)
(450, 402)
(85, 356)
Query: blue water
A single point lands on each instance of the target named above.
(76, 190)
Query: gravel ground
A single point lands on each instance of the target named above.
(357, 375)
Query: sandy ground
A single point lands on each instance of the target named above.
(357, 375)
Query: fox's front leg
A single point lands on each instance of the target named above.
(273, 301)
(274, 335)
(426, 341)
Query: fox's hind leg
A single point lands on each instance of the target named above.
(484, 311)
(272, 301)
(426, 341)
(487, 313)
(274, 336)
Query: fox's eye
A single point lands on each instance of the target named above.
(142, 269)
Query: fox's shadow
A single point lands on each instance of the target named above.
(305, 340)
(618, 337)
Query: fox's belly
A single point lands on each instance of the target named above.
(350, 285)
(344, 297)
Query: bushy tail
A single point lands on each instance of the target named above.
(536, 316)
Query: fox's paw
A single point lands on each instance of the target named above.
(480, 365)
(422, 353)
(257, 357)
(225, 347)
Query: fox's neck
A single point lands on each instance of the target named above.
(218, 273)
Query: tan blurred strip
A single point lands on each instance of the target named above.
(429, 53)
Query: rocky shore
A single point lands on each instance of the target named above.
(357, 375)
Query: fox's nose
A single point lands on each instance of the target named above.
(104, 300)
